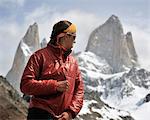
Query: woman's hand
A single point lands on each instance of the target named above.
(65, 116)
(62, 86)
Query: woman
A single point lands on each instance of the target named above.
(53, 78)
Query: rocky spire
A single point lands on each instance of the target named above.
(109, 42)
(43, 43)
(131, 47)
(28, 45)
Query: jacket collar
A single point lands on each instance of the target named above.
(57, 50)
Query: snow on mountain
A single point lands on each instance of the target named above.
(92, 62)
(110, 43)
(95, 109)
(142, 113)
(124, 90)
(133, 84)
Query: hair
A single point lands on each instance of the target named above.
(57, 29)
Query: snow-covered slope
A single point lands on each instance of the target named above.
(125, 90)
(95, 109)
(142, 113)
(90, 61)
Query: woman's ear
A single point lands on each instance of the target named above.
(61, 40)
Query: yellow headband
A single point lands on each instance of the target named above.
(71, 29)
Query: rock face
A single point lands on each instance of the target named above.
(109, 42)
(147, 98)
(28, 45)
(12, 106)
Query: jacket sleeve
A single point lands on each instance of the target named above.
(78, 95)
(29, 83)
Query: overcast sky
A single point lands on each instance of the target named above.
(17, 15)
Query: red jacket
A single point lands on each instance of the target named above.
(44, 68)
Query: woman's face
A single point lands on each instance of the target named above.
(68, 41)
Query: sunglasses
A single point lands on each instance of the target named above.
(73, 35)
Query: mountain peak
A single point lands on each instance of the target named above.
(113, 19)
(121, 53)
(35, 24)
(31, 37)
(129, 33)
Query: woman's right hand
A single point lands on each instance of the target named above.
(62, 86)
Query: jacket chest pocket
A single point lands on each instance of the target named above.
(53, 71)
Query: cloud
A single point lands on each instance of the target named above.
(10, 36)
(10, 3)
